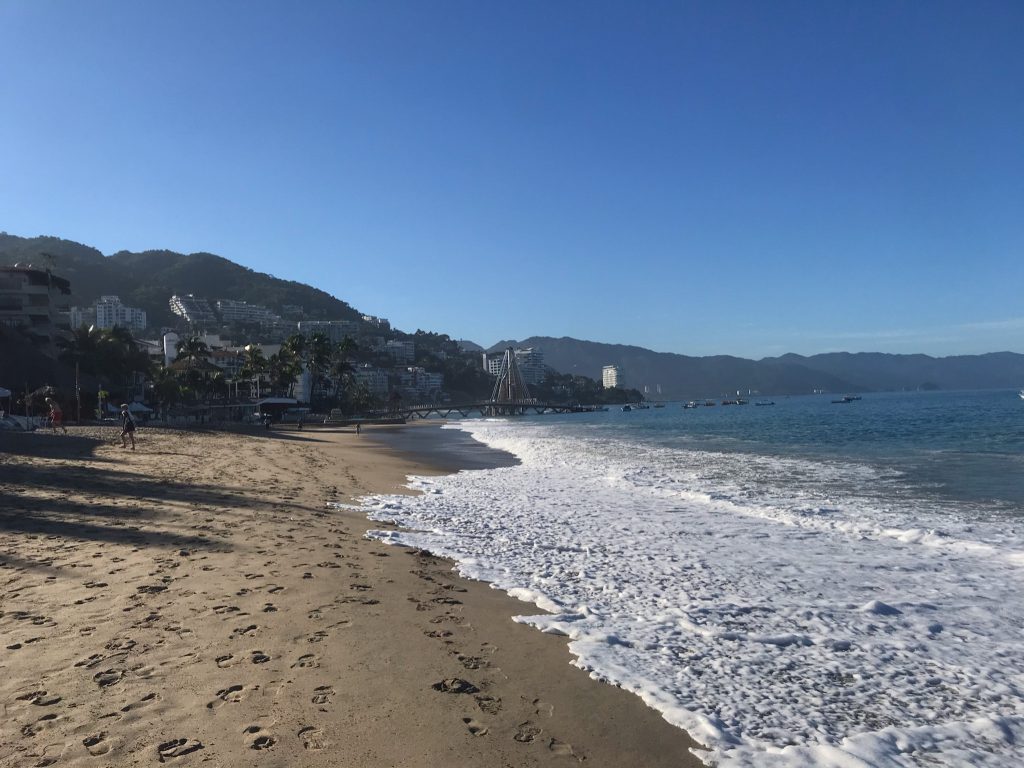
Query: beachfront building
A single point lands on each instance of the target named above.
(80, 316)
(193, 310)
(529, 360)
(232, 311)
(611, 376)
(335, 330)
(111, 312)
(33, 300)
(376, 380)
(402, 352)
(419, 385)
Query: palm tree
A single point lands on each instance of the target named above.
(166, 388)
(284, 368)
(82, 348)
(340, 365)
(318, 360)
(254, 367)
(193, 350)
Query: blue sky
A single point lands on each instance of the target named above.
(746, 178)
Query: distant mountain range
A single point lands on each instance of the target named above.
(680, 376)
(148, 279)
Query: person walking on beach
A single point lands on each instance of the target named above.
(56, 415)
(127, 427)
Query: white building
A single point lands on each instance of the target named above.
(335, 330)
(418, 384)
(110, 312)
(611, 376)
(377, 322)
(530, 362)
(80, 316)
(402, 352)
(232, 311)
(376, 380)
(193, 310)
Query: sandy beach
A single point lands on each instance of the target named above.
(196, 602)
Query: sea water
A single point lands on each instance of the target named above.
(802, 584)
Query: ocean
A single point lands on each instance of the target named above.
(802, 584)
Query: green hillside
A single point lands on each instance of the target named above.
(148, 279)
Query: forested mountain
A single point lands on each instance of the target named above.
(680, 376)
(148, 279)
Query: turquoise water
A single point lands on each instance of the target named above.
(947, 447)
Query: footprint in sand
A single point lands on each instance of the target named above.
(248, 631)
(312, 738)
(322, 694)
(108, 677)
(474, 727)
(564, 749)
(455, 685)
(92, 661)
(306, 661)
(46, 721)
(97, 744)
(527, 732)
(259, 657)
(39, 698)
(230, 695)
(265, 741)
(122, 644)
(446, 601)
(317, 637)
(177, 748)
(262, 741)
(488, 704)
(149, 697)
(225, 661)
(471, 662)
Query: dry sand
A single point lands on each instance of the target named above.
(194, 602)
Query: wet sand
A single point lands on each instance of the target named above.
(195, 602)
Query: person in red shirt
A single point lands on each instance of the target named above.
(56, 415)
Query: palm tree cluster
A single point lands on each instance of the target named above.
(114, 357)
(111, 355)
(329, 365)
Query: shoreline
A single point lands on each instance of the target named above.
(144, 590)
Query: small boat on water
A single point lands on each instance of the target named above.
(847, 399)
(691, 404)
(1021, 393)
(709, 403)
(659, 405)
(627, 407)
(765, 402)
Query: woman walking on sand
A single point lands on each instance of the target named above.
(127, 427)
(56, 415)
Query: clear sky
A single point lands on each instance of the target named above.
(744, 178)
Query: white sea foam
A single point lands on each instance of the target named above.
(786, 612)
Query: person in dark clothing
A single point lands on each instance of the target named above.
(127, 427)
